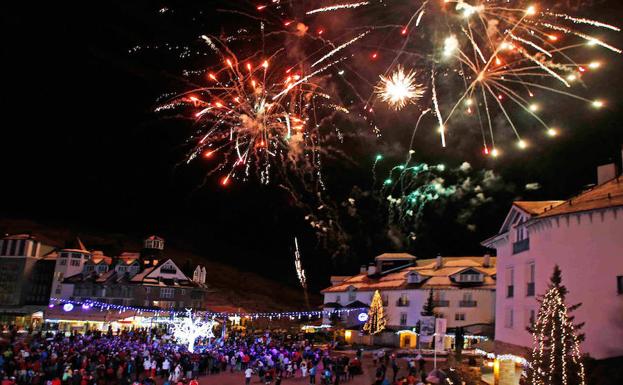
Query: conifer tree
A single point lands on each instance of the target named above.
(555, 358)
(376, 315)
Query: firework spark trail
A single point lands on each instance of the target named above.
(306, 78)
(339, 48)
(337, 6)
(442, 129)
(590, 39)
(594, 23)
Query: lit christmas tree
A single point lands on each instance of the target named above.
(376, 315)
(556, 356)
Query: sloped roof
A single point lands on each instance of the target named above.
(536, 207)
(394, 256)
(605, 195)
(438, 277)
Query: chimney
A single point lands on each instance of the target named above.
(606, 172)
(371, 269)
(438, 262)
(486, 260)
(363, 269)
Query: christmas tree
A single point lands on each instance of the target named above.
(376, 315)
(556, 356)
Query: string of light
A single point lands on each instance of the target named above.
(69, 305)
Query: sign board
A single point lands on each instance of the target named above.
(427, 328)
(440, 332)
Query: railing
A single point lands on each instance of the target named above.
(520, 246)
(468, 303)
(441, 303)
(530, 289)
(402, 303)
(510, 291)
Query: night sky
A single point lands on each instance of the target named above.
(81, 146)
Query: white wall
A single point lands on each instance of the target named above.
(588, 247)
(482, 313)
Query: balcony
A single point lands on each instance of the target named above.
(441, 303)
(530, 289)
(468, 303)
(521, 246)
(402, 303)
(510, 291)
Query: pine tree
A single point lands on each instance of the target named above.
(429, 307)
(376, 315)
(555, 358)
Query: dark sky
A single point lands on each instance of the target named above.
(80, 145)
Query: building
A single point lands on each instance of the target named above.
(26, 274)
(69, 261)
(584, 237)
(463, 290)
(138, 279)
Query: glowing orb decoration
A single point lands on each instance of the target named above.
(362, 317)
(68, 307)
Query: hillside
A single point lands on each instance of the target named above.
(230, 286)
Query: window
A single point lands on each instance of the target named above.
(403, 300)
(459, 317)
(385, 299)
(403, 319)
(62, 262)
(531, 317)
(413, 278)
(73, 262)
(338, 298)
(468, 300)
(510, 283)
(440, 299)
(167, 292)
(22, 245)
(182, 292)
(620, 284)
(168, 269)
(5, 243)
(147, 289)
(508, 319)
(351, 295)
(12, 244)
(530, 284)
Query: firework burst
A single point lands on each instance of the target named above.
(256, 117)
(399, 89)
(484, 59)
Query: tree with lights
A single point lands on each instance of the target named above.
(555, 358)
(376, 315)
(186, 330)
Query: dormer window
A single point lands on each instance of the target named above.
(414, 278)
(470, 276)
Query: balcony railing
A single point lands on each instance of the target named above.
(441, 303)
(530, 289)
(510, 291)
(468, 303)
(520, 246)
(402, 303)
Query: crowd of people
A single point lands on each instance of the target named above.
(144, 356)
(149, 357)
